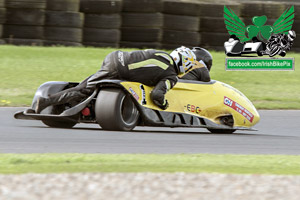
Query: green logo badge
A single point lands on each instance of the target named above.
(259, 39)
(235, 26)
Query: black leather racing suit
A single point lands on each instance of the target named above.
(198, 74)
(149, 67)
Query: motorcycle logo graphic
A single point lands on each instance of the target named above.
(259, 38)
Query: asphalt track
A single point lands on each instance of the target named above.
(278, 133)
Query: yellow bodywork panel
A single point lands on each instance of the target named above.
(209, 101)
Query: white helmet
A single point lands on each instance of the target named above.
(184, 59)
(291, 35)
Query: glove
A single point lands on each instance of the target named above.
(87, 91)
(164, 106)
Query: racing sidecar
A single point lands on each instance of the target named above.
(233, 47)
(122, 105)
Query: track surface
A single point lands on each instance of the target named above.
(279, 133)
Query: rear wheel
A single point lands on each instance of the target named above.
(115, 110)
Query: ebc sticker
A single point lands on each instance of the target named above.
(193, 108)
(135, 95)
(240, 109)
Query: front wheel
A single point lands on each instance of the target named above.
(274, 51)
(59, 124)
(115, 110)
(222, 131)
(56, 110)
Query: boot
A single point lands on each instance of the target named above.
(42, 103)
(65, 96)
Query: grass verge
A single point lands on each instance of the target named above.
(191, 163)
(24, 69)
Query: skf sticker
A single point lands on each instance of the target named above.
(144, 102)
(240, 109)
(135, 95)
(193, 108)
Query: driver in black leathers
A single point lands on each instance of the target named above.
(149, 67)
(202, 73)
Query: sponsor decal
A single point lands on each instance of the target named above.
(144, 102)
(135, 95)
(193, 108)
(237, 91)
(240, 109)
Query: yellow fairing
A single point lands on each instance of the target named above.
(210, 101)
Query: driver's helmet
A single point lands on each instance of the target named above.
(291, 35)
(204, 56)
(184, 59)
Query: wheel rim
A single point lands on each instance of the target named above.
(129, 112)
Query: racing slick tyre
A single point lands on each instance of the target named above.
(25, 17)
(149, 20)
(224, 131)
(63, 5)
(181, 22)
(142, 6)
(32, 4)
(181, 8)
(270, 9)
(213, 24)
(23, 32)
(100, 6)
(213, 39)
(101, 35)
(217, 9)
(141, 34)
(1, 30)
(64, 19)
(109, 21)
(115, 110)
(186, 38)
(63, 34)
(2, 15)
